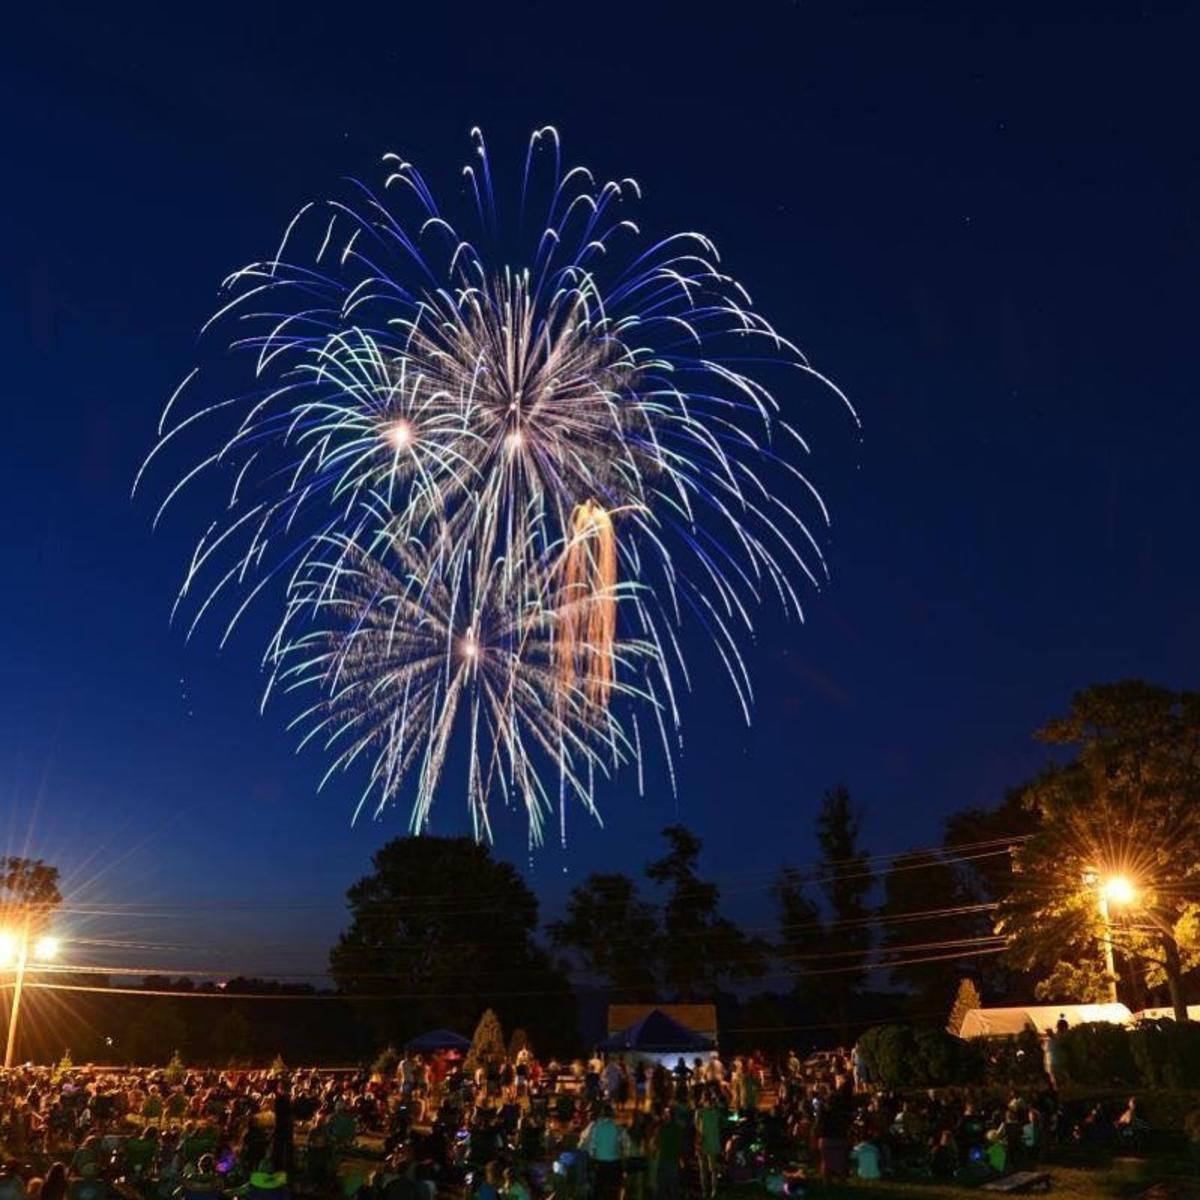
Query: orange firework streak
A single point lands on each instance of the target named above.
(587, 625)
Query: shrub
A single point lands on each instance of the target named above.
(917, 1056)
(1166, 1054)
(1014, 1061)
(1191, 1126)
(1097, 1053)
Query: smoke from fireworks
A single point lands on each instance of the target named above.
(563, 437)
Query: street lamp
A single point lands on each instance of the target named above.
(1118, 890)
(15, 951)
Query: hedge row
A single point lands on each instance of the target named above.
(1154, 1054)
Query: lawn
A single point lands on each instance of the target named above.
(1069, 1183)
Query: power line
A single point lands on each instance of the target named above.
(373, 997)
(811, 873)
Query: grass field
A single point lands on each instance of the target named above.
(1181, 1180)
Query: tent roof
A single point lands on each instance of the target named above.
(701, 1018)
(996, 1022)
(439, 1039)
(1158, 1014)
(658, 1033)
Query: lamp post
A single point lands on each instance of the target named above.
(1116, 889)
(15, 948)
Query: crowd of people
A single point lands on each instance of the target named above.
(508, 1130)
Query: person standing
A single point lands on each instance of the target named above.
(832, 1129)
(607, 1145)
(708, 1142)
(283, 1137)
(668, 1144)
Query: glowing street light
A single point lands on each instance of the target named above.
(1110, 890)
(15, 951)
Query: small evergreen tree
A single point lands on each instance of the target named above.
(175, 1070)
(487, 1045)
(386, 1062)
(965, 999)
(65, 1066)
(518, 1042)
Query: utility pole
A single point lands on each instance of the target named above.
(18, 986)
(1110, 966)
(16, 950)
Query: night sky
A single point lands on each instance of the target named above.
(981, 220)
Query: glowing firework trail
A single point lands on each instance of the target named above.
(587, 633)
(404, 657)
(582, 419)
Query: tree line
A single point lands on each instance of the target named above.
(440, 929)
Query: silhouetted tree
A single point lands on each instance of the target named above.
(803, 939)
(924, 883)
(448, 930)
(614, 932)
(700, 948)
(846, 881)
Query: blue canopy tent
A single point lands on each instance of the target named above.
(657, 1033)
(438, 1039)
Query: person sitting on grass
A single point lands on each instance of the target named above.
(88, 1185)
(945, 1159)
(996, 1153)
(867, 1160)
(488, 1188)
(514, 1185)
(1033, 1134)
(201, 1182)
(1132, 1126)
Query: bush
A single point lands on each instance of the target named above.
(1191, 1126)
(917, 1056)
(1166, 1054)
(1097, 1053)
(1014, 1061)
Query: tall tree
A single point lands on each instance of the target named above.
(929, 917)
(449, 931)
(803, 939)
(615, 934)
(984, 839)
(701, 949)
(1125, 807)
(846, 881)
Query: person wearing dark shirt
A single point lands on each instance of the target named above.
(54, 1186)
(282, 1139)
(669, 1144)
(832, 1130)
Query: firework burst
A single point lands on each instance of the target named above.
(404, 657)
(569, 431)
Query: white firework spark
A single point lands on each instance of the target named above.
(414, 386)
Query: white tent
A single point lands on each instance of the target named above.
(997, 1022)
(1157, 1014)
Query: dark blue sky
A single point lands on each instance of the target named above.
(982, 220)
